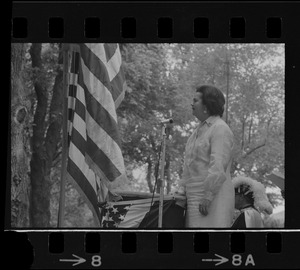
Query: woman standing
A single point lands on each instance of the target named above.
(208, 154)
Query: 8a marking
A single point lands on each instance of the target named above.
(237, 260)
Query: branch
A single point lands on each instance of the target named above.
(250, 128)
(58, 151)
(254, 149)
(56, 159)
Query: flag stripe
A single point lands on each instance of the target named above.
(70, 115)
(73, 79)
(114, 65)
(100, 114)
(103, 140)
(72, 90)
(137, 201)
(79, 141)
(97, 90)
(69, 140)
(110, 49)
(79, 159)
(80, 110)
(98, 69)
(105, 164)
(173, 216)
(135, 215)
(71, 102)
(74, 63)
(98, 50)
(111, 58)
(123, 214)
(84, 185)
(96, 66)
(108, 158)
(77, 119)
(108, 146)
(118, 86)
(96, 212)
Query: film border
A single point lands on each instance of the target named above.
(255, 15)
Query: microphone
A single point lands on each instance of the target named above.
(167, 121)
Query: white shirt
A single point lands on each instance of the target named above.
(208, 153)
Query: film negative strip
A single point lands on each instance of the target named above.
(57, 49)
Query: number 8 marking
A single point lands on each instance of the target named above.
(236, 260)
(96, 260)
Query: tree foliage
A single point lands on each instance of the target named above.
(254, 75)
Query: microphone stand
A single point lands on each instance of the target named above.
(162, 178)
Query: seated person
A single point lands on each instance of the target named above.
(251, 199)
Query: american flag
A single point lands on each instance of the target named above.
(143, 212)
(96, 87)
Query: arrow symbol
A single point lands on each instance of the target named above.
(79, 260)
(220, 260)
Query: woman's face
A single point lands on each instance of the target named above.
(199, 110)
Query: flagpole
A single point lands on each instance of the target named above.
(61, 211)
(162, 178)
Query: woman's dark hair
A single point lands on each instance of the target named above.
(213, 99)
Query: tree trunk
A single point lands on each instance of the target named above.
(54, 135)
(168, 174)
(250, 130)
(149, 173)
(155, 187)
(44, 146)
(243, 135)
(158, 184)
(213, 75)
(180, 171)
(20, 147)
(40, 201)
